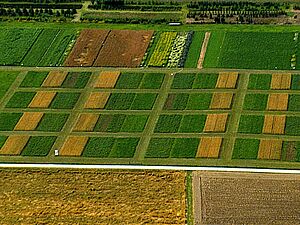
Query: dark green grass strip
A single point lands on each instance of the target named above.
(143, 101)
(194, 50)
(34, 79)
(98, 147)
(7, 78)
(292, 126)
(129, 80)
(185, 148)
(205, 81)
(168, 124)
(294, 103)
(183, 81)
(38, 146)
(120, 101)
(65, 100)
(255, 102)
(251, 124)
(8, 121)
(259, 81)
(76, 80)
(20, 100)
(124, 148)
(152, 81)
(192, 124)
(245, 149)
(295, 81)
(199, 101)
(134, 123)
(52, 122)
(159, 148)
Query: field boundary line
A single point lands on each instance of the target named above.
(203, 50)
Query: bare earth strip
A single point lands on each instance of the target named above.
(55, 79)
(221, 101)
(42, 99)
(281, 81)
(278, 102)
(14, 145)
(215, 122)
(203, 50)
(246, 198)
(86, 122)
(274, 124)
(29, 121)
(209, 147)
(73, 146)
(97, 100)
(227, 80)
(107, 79)
(270, 149)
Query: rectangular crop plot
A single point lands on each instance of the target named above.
(76, 80)
(195, 48)
(291, 151)
(281, 81)
(152, 81)
(129, 80)
(270, 149)
(245, 148)
(29, 121)
(34, 79)
(86, 122)
(176, 101)
(9, 120)
(7, 78)
(216, 122)
(124, 148)
(251, 124)
(110, 123)
(274, 124)
(209, 147)
(199, 101)
(143, 101)
(295, 82)
(55, 79)
(159, 148)
(192, 123)
(221, 101)
(107, 79)
(183, 81)
(227, 80)
(42, 99)
(278, 102)
(255, 102)
(134, 123)
(14, 145)
(294, 102)
(65, 100)
(168, 124)
(73, 146)
(259, 81)
(38, 146)
(99, 147)
(52, 122)
(20, 99)
(120, 101)
(184, 148)
(292, 126)
(97, 100)
(205, 81)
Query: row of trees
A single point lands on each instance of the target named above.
(46, 1)
(24, 12)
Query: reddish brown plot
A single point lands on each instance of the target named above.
(55, 79)
(29, 121)
(97, 100)
(221, 101)
(73, 146)
(203, 50)
(42, 99)
(227, 80)
(278, 102)
(14, 145)
(216, 122)
(124, 48)
(107, 79)
(87, 47)
(274, 124)
(209, 147)
(270, 149)
(281, 81)
(86, 122)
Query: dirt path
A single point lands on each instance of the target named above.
(203, 50)
(79, 12)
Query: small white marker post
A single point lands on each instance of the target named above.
(56, 152)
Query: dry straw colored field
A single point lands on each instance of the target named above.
(97, 100)
(227, 80)
(91, 197)
(55, 79)
(86, 122)
(221, 101)
(216, 122)
(14, 145)
(107, 79)
(278, 102)
(73, 146)
(281, 81)
(274, 124)
(29, 121)
(42, 99)
(209, 147)
(270, 149)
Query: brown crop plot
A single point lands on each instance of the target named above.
(124, 48)
(29, 121)
(107, 79)
(274, 124)
(227, 80)
(73, 146)
(86, 122)
(216, 122)
(14, 145)
(42, 99)
(209, 147)
(55, 79)
(97, 100)
(269, 149)
(221, 101)
(203, 50)
(87, 47)
(281, 81)
(278, 102)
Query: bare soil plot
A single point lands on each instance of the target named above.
(221, 101)
(97, 100)
(227, 80)
(107, 79)
(86, 122)
(29, 121)
(203, 50)
(209, 147)
(42, 99)
(246, 198)
(73, 146)
(281, 81)
(216, 122)
(274, 124)
(269, 149)
(55, 79)
(291, 151)
(124, 48)
(87, 47)
(278, 102)
(14, 145)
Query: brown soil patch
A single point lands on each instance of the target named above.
(227, 80)
(124, 48)
(87, 47)
(269, 149)
(65, 196)
(169, 101)
(216, 122)
(274, 124)
(203, 50)
(278, 102)
(70, 83)
(14, 145)
(107, 79)
(221, 101)
(291, 151)
(97, 100)
(55, 79)
(209, 147)
(281, 81)
(29, 121)
(86, 122)
(42, 99)
(73, 146)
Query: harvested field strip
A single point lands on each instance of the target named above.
(209, 147)
(221, 101)
(86, 122)
(281, 81)
(216, 122)
(203, 50)
(270, 149)
(55, 79)
(278, 102)
(42, 99)
(107, 79)
(87, 48)
(29, 121)
(97, 100)
(14, 145)
(227, 80)
(274, 124)
(73, 146)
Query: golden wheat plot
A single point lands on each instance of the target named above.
(97, 100)
(227, 80)
(278, 102)
(274, 124)
(221, 101)
(209, 147)
(107, 79)
(73, 146)
(14, 145)
(270, 149)
(55, 79)
(86, 122)
(42, 99)
(216, 122)
(281, 81)
(29, 121)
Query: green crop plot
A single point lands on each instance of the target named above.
(152, 81)
(251, 124)
(38, 146)
(176, 101)
(255, 102)
(7, 78)
(245, 149)
(292, 126)
(183, 80)
(294, 103)
(120, 101)
(134, 123)
(168, 123)
(185, 148)
(143, 101)
(199, 101)
(159, 148)
(34, 79)
(65, 100)
(20, 99)
(110, 123)
(52, 122)
(194, 51)
(8, 121)
(2, 140)
(192, 124)
(124, 148)
(295, 82)
(259, 81)
(205, 81)
(76, 80)
(129, 80)
(99, 147)
(214, 48)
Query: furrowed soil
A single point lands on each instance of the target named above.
(29, 121)
(278, 102)
(281, 81)
(73, 146)
(209, 147)
(270, 149)
(97, 100)
(14, 145)
(86, 122)
(42, 99)
(55, 79)
(51, 196)
(107, 79)
(227, 80)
